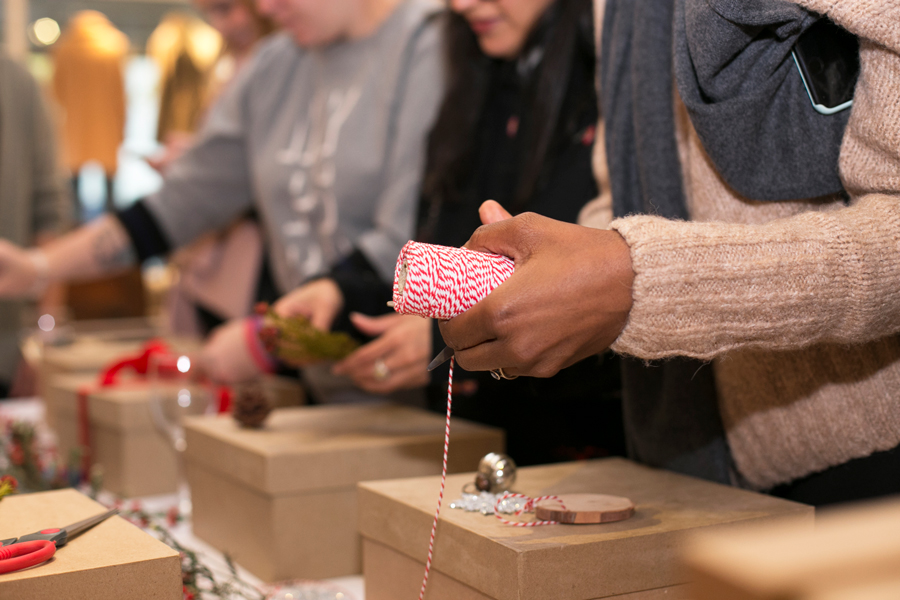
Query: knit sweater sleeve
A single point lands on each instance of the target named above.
(702, 289)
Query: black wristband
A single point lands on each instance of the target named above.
(361, 286)
(143, 229)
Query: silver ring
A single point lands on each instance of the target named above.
(380, 371)
(498, 374)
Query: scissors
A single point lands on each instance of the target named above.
(40, 546)
(441, 358)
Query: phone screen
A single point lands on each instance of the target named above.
(828, 58)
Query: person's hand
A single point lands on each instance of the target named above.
(320, 301)
(175, 144)
(18, 272)
(227, 356)
(397, 359)
(568, 299)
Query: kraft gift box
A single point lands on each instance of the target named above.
(282, 500)
(477, 557)
(110, 561)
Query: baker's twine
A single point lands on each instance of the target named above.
(442, 282)
(437, 511)
(528, 506)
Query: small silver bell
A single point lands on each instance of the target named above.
(496, 473)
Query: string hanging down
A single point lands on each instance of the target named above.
(441, 282)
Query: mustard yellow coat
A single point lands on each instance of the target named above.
(88, 84)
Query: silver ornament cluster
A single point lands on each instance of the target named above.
(484, 503)
(496, 473)
(495, 476)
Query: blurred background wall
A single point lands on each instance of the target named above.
(135, 18)
(30, 30)
(37, 33)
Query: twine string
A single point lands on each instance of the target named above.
(437, 511)
(528, 506)
(440, 282)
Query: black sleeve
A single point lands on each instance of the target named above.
(147, 237)
(363, 289)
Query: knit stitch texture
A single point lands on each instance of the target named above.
(797, 302)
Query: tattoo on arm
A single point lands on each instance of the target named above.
(112, 248)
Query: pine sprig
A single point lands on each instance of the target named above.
(294, 340)
(38, 468)
(8, 485)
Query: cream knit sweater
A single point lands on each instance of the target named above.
(797, 303)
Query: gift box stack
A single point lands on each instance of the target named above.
(117, 423)
(85, 348)
(115, 428)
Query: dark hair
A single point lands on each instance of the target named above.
(566, 31)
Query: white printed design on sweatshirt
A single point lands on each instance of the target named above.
(310, 237)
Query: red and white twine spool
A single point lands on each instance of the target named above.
(441, 283)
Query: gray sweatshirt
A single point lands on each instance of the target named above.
(328, 144)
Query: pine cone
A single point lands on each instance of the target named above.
(251, 407)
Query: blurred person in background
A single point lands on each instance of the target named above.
(517, 124)
(88, 84)
(240, 24)
(197, 60)
(323, 133)
(216, 276)
(186, 50)
(34, 200)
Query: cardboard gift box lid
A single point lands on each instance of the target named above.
(125, 406)
(576, 562)
(318, 447)
(853, 552)
(113, 559)
(92, 345)
(87, 354)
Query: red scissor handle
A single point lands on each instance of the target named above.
(26, 554)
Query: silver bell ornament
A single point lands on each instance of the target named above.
(496, 473)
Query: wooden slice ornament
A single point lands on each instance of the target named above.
(584, 509)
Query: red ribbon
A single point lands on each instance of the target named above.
(140, 364)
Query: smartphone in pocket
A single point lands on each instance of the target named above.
(827, 57)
